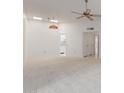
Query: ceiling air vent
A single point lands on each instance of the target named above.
(90, 28)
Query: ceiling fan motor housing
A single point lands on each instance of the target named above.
(86, 1)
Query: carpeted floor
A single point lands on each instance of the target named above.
(62, 75)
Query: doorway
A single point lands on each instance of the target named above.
(90, 44)
(63, 45)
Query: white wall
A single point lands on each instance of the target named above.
(40, 41)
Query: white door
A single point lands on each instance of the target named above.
(88, 44)
(63, 41)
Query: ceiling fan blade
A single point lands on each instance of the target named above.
(89, 17)
(95, 15)
(80, 17)
(76, 12)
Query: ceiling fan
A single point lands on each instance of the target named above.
(87, 13)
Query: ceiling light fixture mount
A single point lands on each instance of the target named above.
(54, 23)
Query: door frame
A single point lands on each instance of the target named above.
(97, 53)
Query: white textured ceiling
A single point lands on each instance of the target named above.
(60, 9)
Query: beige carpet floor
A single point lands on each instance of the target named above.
(62, 75)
